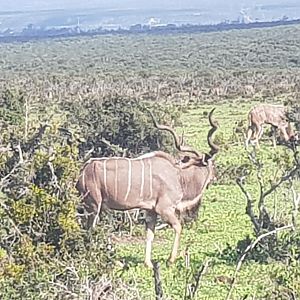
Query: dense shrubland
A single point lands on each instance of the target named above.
(59, 107)
(251, 64)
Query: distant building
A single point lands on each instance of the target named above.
(153, 22)
(135, 27)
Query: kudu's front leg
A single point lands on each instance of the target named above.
(257, 136)
(92, 205)
(151, 217)
(283, 130)
(175, 223)
(169, 215)
(249, 135)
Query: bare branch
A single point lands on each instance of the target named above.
(258, 222)
(13, 170)
(54, 177)
(5, 149)
(10, 219)
(249, 208)
(115, 148)
(284, 178)
(248, 249)
(296, 202)
(198, 278)
(157, 282)
(88, 154)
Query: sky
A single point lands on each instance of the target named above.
(125, 4)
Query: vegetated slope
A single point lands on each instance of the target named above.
(259, 63)
(62, 82)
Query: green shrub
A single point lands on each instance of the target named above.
(43, 248)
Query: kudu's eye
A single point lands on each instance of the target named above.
(185, 159)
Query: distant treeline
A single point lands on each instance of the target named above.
(30, 33)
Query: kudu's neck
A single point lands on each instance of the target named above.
(193, 181)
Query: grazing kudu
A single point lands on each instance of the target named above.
(155, 182)
(274, 115)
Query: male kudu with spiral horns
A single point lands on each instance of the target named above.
(155, 182)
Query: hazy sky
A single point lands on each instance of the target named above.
(123, 4)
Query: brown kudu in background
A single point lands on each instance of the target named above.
(274, 115)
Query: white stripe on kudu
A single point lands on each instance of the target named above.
(147, 155)
(143, 178)
(150, 178)
(83, 180)
(104, 176)
(129, 179)
(116, 179)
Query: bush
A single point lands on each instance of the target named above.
(43, 249)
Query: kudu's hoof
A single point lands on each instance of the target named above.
(170, 261)
(148, 264)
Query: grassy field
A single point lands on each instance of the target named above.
(52, 82)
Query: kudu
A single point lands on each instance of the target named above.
(274, 115)
(155, 182)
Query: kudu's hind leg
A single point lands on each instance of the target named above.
(91, 219)
(256, 131)
(258, 135)
(151, 217)
(248, 136)
(93, 207)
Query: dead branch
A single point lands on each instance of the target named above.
(258, 221)
(249, 208)
(248, 249)
(192, 288)
(286, 177)
(21, 159)
(10, 219)
(4, 179)
(88, 154)
(127, 214)
(115, 148)
(54, 177)
(5, 149)
(157, 282)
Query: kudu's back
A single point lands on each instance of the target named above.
(268, 114)
(122, 183)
